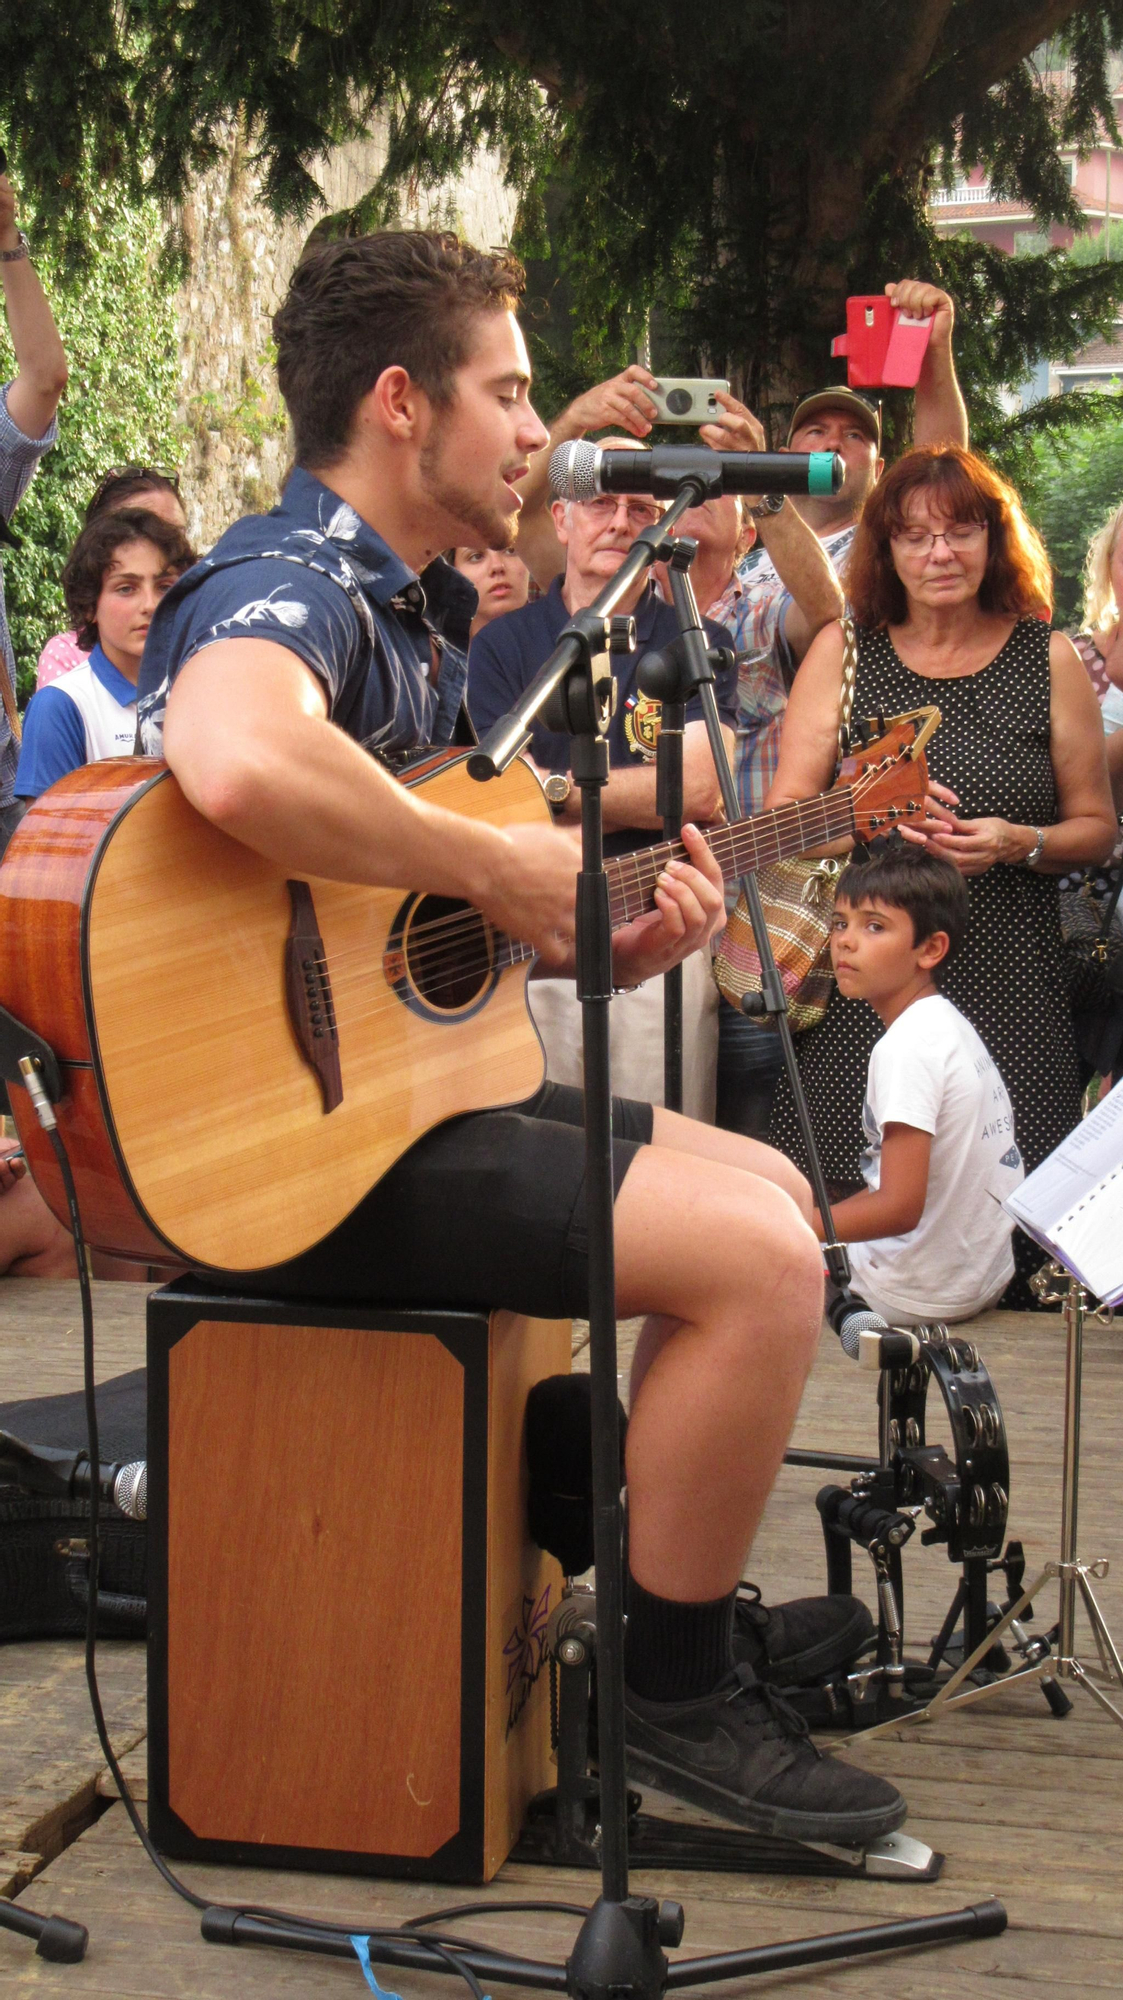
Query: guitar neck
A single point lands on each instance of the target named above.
(747, 845)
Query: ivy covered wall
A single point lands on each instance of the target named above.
(177, 370)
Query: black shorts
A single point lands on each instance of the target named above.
(487, 1210)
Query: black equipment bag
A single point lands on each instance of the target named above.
(1093, 959)
(44, 1593)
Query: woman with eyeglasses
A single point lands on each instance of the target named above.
(950, 591)
(138, 486)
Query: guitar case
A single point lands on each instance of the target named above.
(44, 1576)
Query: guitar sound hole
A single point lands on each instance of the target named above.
(448, 951)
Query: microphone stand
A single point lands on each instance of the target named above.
(669, 804)
(676, 674)
(618, 1952)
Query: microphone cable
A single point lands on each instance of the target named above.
(431, 1952)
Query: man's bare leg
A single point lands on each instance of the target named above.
(723, 1260)
(728, 1259)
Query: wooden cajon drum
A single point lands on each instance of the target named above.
(347, 1618)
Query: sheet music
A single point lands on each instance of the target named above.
(1072, 1204)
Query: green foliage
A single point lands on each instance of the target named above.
(1094, 250)
(723, 176)
(1072, 482)
(117, 323)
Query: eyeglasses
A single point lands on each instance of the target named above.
(640, 513)
(961, 535)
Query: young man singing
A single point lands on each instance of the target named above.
(305, 641)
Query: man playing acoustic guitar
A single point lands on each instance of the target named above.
(273, 669)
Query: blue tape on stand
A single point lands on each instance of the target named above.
(361, 1944)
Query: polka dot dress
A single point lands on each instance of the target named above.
(992, 748)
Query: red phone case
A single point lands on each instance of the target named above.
(883, 348)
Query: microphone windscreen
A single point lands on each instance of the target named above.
(559, 1456)
(572, 471)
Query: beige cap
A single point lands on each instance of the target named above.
(838, 399)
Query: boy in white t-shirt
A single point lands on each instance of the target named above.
(929, 1237)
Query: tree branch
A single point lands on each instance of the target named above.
(983, 63)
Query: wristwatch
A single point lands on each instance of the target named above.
(1038, 848)
(557, 788)
(23, 249)
(771, 504)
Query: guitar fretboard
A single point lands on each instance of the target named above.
(749, 844)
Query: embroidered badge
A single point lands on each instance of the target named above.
(642, 720)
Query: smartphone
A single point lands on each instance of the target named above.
(687, 399)
(3, 161)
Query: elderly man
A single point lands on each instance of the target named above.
(595, 536)
(27, 430)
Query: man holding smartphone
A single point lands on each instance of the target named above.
(27, 430)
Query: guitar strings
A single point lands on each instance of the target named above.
(498, 953)
(444, 956)
(648, 863)
(429, 938)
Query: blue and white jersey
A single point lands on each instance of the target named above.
(85, 715)
(313, 577)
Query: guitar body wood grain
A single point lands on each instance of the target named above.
(180, 934)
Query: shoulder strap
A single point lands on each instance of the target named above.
(849, 675)
(1109, 909)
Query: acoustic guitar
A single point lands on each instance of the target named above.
(245, 1055)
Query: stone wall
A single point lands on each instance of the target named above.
(239, 262)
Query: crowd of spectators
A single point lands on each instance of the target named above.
(945, 1064)
(949, 590)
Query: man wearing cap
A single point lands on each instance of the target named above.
(27, 430)
(772, 636)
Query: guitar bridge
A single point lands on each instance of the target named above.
(309, 996)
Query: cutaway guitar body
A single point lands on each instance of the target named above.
(245, 1054)
(168, 982)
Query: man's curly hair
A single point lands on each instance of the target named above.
(402, 298)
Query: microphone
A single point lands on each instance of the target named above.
(867, 1338)
(42, 1469)
(580, 471)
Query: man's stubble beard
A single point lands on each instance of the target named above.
(485, 527)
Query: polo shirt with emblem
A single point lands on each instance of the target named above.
(83, 716)
(507, 654)
(312, 576)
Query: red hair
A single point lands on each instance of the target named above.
(1018, 579)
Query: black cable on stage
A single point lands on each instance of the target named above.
(445, 1951)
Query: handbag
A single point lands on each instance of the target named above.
(1092, 956)
(798, 898)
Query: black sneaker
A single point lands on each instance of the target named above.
(806, 1640)
(743, 1753)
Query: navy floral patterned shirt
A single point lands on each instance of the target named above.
(313, 577)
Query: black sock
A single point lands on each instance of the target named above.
(674, 1651)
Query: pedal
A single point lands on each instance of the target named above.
(897, 1854)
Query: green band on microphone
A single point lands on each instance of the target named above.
(820, 472)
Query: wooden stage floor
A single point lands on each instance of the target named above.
(1023, 1806)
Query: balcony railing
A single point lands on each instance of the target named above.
(962, 192)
